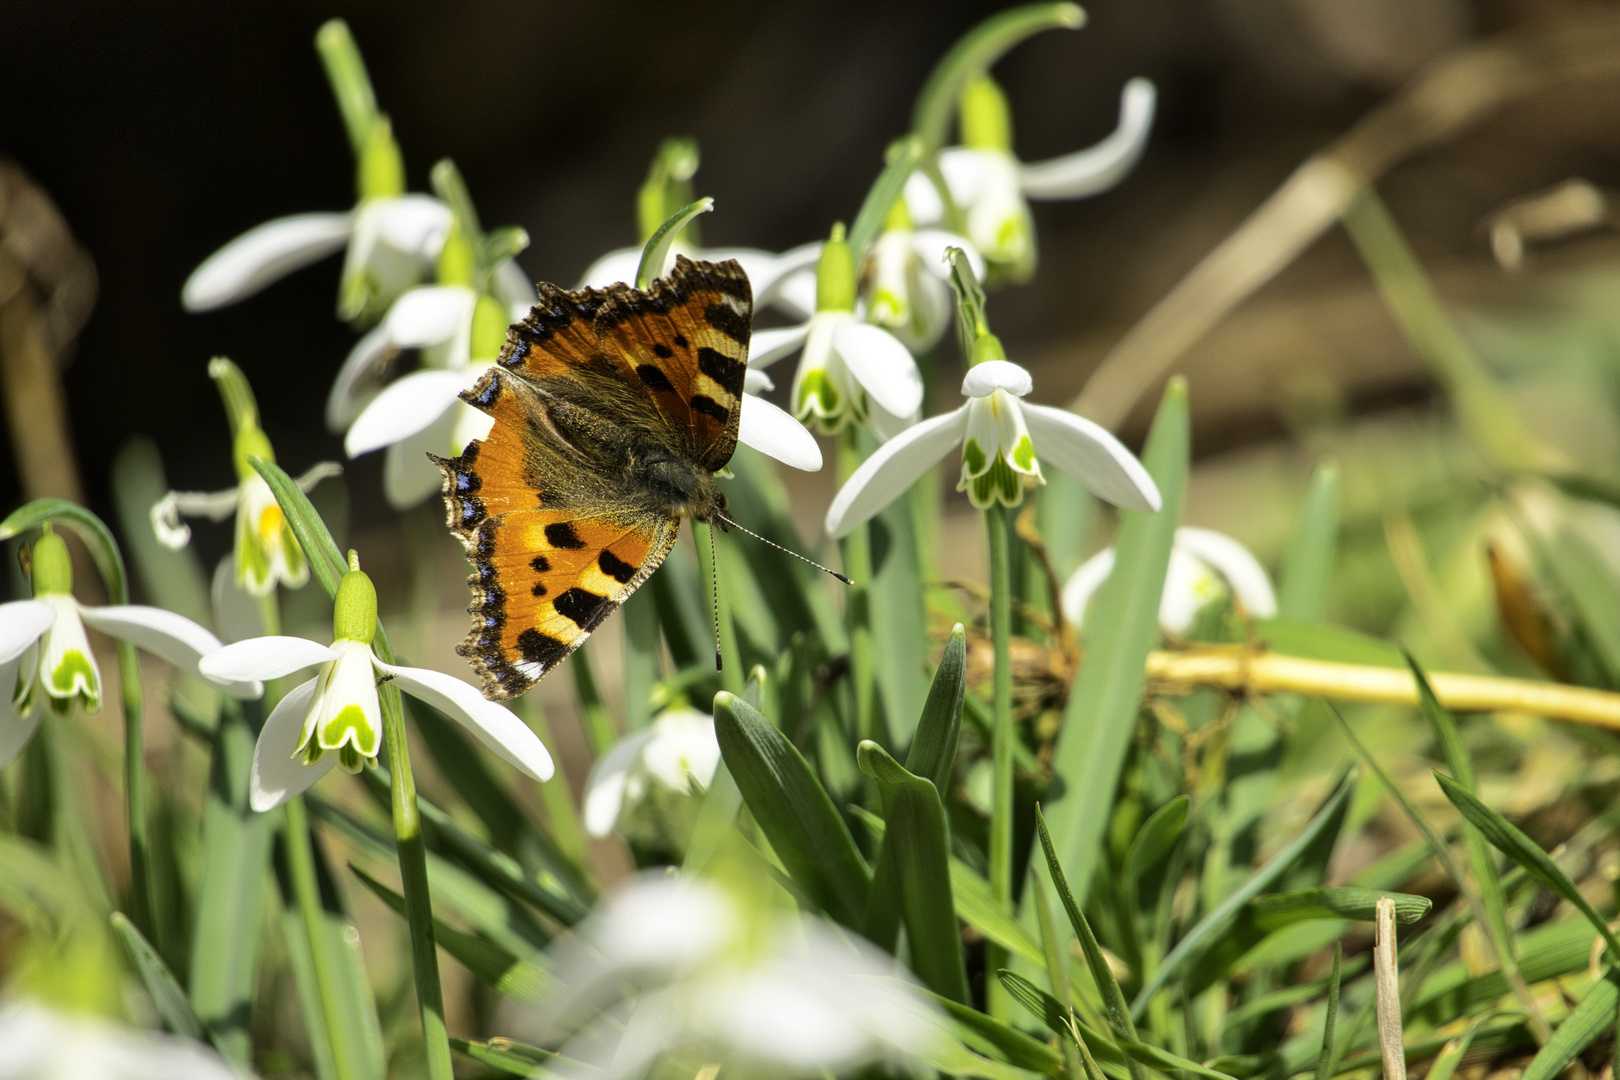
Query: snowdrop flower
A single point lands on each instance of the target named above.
(43, 1044)
(335, 718)
(1004, 441)
(776, 993)
(266, 553)
(46, 662)
(910, 293)
(991, 187)
(851, 372)
(1205, 567)
(643, 786)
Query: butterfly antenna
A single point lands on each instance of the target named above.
(714, 578)
(733, 524)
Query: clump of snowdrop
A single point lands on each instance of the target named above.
(40, 1043)
(989, 188)
(46, 662)
(335, 718)
(672, 963)
(644, 787)
(1206, 567)
(391, 236)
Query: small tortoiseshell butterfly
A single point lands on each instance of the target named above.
(613, 409)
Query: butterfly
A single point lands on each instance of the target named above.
(613, 410)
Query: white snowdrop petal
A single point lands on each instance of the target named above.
(1187, 588)
(513, 288)
(1100, 167)
(261, 256)
(15, 728)
(162, 633)
(22, 622)
(65, 639)
(892, 469)
(881, 365)
(795, 293)
(922, 199)
(429, 315)
(615, 266)
(773, 432)
(237, 612)
(406, 406)
(495, 725)
(604, 789)
(967, 171)
(408, 476)
(683, 745)
(414, 224)
(984, 379)
(344, 401)
(756, 381)
(1084, 583)
(263, 658)
(1236, 564)
(279, 773)
(1091, 455)
(769, 346)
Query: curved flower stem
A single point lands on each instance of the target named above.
(1001, 742)
(142, 887)
(306, 890)
(856, 552)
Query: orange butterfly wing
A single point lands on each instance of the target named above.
(558, 540)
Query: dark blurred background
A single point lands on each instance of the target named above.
(162, 131)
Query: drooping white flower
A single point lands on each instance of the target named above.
(1004, 442)
(851, 371)
(910, 293)
(46, 662)
(990, 186)
(335, 718)
(642, 787)
(776, 992)
(1205, 567)
(40, 1043)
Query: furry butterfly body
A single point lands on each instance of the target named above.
(613, 409)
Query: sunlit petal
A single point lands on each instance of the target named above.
(756, 381)
(984, 379)
(769, 346)
(429, 315)
(1100, 167)
(922, 199)
(408, 405)
(615, 266)
(1092, 456)
(162, 633)
(1236, 564)
(881, 365)
(889, 472)
(604, 790)
(771, 431)
(263, 659)
(966, 172)
(263, 255)
(795, 292)
(413, 224)
(22, 622)
(495, 725)
(279, 772)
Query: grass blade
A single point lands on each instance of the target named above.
(793, 810)
(933, 750)
(1102, 708)
(159, 980)
(1594, 1015)
(1324, 1064)
(1307, 570)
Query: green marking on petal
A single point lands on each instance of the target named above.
(818, 396)
(1023, 454)
(74, 663)
(349, 759)
(974, 461)
(352, 718)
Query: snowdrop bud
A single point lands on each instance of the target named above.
(456, 259)
(835, 274)
(250, 442)
(986, 121)
(53, 569)
(354, 613)
(380, 173)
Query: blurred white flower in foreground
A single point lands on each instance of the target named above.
(990, 186)
(643, 786)
(38, 1043)
(336, 718)
(770, 992)
(1004, 441)
(851, 371)
(1205, 567)
(45, 657)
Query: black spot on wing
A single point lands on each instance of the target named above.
(726, 319)
(615, 567)
(561, 534)
(540, 564)
(662, 351)
(680, 341)
(586, 609)
(723, 370)
(709, 407)
(542, 649)
(654, 378)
